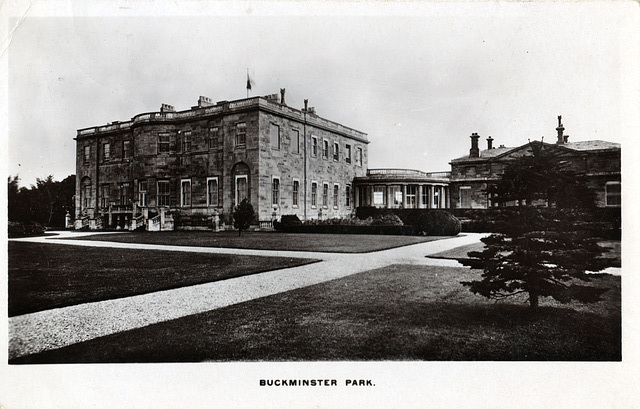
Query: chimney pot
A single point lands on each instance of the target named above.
(489, 142)
(474, 152)
(560, 130)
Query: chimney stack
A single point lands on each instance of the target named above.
(474, 152)
(560, 129)
(489, 142)
(167, 108)
(282, 96)
(204, 102)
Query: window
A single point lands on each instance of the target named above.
(396, 195)
(185, 192)
(241, 134)
(613, 191)
(314, 194)
(295, 141)
(241, 188)
(86, 194)
(314, 146)
(87, 154)
(359, 156)
(336, 194)
(212, 191)
(104, 196)
(163, 193)
(126, 149)
(186, 141)
(106, 151)
(425, 195)
(275, 191)
(378, 196)
(465, 197)
(411, 196)
(325, 149)
(164, 139)
(296, 192)
(336, 151)
(347, 193)
(125, 193)
(274, 135)
(142, 193)
(325, 194)
(213, 138)
(347, 153)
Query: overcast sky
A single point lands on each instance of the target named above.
(418, 80)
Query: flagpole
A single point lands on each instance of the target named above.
(248, 83)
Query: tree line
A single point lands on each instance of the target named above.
(47, 202)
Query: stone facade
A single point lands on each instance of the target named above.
(598, 160)
(189, 169)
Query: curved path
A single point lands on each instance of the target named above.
(59, 327)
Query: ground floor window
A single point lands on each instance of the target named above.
(142, 193)
(411, 196)
(275, 191)
(613, 191)
(314, 194)
(325, 195)
(241, 188)
(336, 195)
(465, 197)
(104, 196)
(212, 191)
(296, 192)
(185, 190)
(347, 194)
(163, 193)
(125, 193)
(378, 196)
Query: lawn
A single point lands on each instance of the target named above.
(398, 312)
(334, 243)
(45, 276)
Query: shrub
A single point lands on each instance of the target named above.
(19, 229)
(387, 220)
(286, 221)
(439, 223)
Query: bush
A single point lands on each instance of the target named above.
(439, 223)
(19, 229)
(286, 221)
(387, 220)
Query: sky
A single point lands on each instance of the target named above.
(418, 78)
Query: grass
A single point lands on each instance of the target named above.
(398, 312)
(334, 243)
(45, 276)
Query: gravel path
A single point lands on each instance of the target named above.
(56, 328)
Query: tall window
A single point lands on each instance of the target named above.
(359, 156)
(213, 138)
(325, 195)
(295, 141)
(336, 194)
(185, 192)
(347, 193)
(314, 146)
(378, 196)
(86, 195)
(275, 191)
(125, 193)
(613, 192)
(163, 193)
(347, 153)
(325, 149)
(106, 151)
(126, 149)
(212, 192)
(411, 196)
(142, 193)
(87, 154)
(241, 133)
(425, 195)
(164, 139)
(274, 134)
(104, 196)
(314, 194)
(241, 188)
(296, 192)
(465, 197)
(186, 141)
(336, 151)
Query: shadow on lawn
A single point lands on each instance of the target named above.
(412, 331)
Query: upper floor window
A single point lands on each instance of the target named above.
(274, 134)
(87, 154)
(336, 151)
(106, 151)
(186, 141)
(613, 191)
(325, 149)
(295, 141)
(126, 149)
(359, 156)
(241, 134)
(347, 153)
(314, 146)
(164, 139)
(213, 138)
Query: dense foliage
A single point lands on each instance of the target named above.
(439, 223)
(46, 203)
(243, 216)
(540, 253)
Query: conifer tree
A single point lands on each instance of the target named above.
(243, 215)
(540, 251)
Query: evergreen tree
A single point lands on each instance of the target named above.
(540, 251)
(243, 215)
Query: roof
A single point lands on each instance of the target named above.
(582, 146)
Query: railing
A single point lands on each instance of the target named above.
(243, 103)
(99, 223)
(85, 222)
(408, 172)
